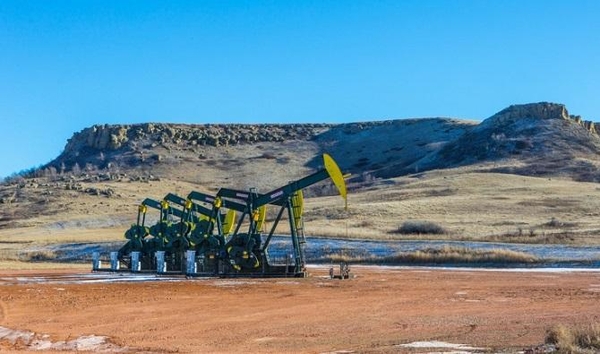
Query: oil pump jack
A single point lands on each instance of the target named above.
(247, 252)
(221, 245)
(147, 240)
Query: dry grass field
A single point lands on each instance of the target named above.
(465, 204)
(468, 206)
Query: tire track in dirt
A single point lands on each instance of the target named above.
(3, 311)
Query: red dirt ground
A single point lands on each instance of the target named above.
(374, 312)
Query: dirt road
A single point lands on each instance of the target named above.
(379, 310)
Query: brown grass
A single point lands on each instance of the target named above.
(582, 339)
(27, 256)
(482, 207)
(533, 236)
(21, 260)
(446, 254)
(38, 256)
(18, 265)
(418, 227)
(469, 205)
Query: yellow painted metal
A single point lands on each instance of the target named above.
(336, 176)
(143, 209)
(298, 207)
(164, 204)
(229, 222)
(260, 217)
(188, 204)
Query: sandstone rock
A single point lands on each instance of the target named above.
(590, 126)
(542, 110)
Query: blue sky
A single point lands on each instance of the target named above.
(66, 65)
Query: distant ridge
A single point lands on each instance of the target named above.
(530, 139)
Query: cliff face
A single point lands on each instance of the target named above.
(120, 142)
(538, 111)
(114, 137)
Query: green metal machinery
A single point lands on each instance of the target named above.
(247, 251)
(209, 237)
(147, 240)
(223, 234)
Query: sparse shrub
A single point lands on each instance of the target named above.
(560, 336)
(268, 156)
(27, 256)
(441, 192)
(38, 256)
(523, 144)
(321, 190)
(368, 177)
(366, 223)
(580, 339)
(554, 222)
(417, 227)
(8, 255)
(157, 158)
(283, 160)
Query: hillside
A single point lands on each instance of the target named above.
(219, 154)
(534, 139)
(539, 139)
(527, 167)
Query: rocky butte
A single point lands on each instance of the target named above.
(543, 136)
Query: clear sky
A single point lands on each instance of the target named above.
(67, 65)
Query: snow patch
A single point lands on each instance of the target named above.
(35, 341)
(463, 348)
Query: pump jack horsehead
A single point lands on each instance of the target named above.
(207, 236)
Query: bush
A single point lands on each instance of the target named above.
(420, 227)
(38, 256)
(580, 339)
(554, 222)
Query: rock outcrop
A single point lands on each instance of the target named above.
(533, 133)
(114, 137)
(541, 110)
(99, 144)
